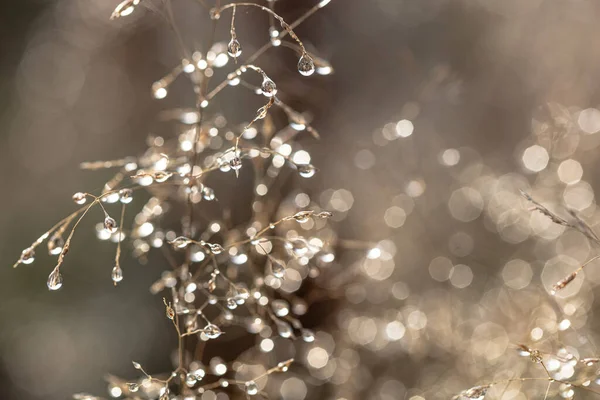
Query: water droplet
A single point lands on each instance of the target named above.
(231, 303)
(79, 198)
(212, 331)
(303, 216)
(324, 214)
(308, 336)
(277, 268)
(159, 90)
(234, 48)
(268, 87)
(161, 176)
(242, 296)
(306, 65)
(299, 248)
(181, 242)
(133, 387)
(251, 388)
(136, 365)
(215, 248)
(110, 224)
(27, 256)
(55, 244)
(283, 328)
(199, 374)
(125, 196)
(117, 274)
(281, 308)
(284, 365)
(55, 280)
(306, 170)
(214, 14)
(190, 380)
(236, 164)
(124, 8)
(474, 393)
(208, 193)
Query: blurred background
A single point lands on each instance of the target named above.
(438, 112)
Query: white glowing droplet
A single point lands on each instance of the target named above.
(55, 280)
(117, 274)
(404, 128)
(589, 120)
(124, 8)
(234, 48)
(110, 224)
(374, 253)
(188, 67)
(27, 256)
(268, 87)
(570, 171)
(301, 157)
(306, 65)
(115, 391)
(281, 308)
(308, 336)
(231, 303)
(190, 380)
(283, 328)
(160, 93)
(251, 388)
(323, 3)
(208, 193)
(266, 345)
(450, 157)
(79, 198)
(535, 158)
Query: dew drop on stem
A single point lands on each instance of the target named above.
(306, 65)
(268, 87)
(234, 48)
(27, 256)
(306, 170)
(79, 198)
(117, 274)
(212, 331)
(110, 224)
(277, 268)
(251, 388)
(125, 196)
(55, 244)
(55, 280)
(283, 328)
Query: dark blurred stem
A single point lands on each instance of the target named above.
(171, 16)
(200, 347)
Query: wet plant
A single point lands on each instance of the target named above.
(222, 272)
